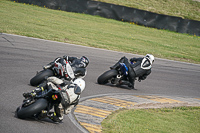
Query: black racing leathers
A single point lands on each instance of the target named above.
(140, 68)
(78, 66)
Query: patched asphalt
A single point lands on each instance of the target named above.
(91, 111)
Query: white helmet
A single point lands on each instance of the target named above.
(150, 57)
(80, 82)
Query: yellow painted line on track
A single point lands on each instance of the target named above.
(92, 111)
(114, 101)
(159, 99)
(92, 128)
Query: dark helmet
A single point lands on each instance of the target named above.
(85, 60)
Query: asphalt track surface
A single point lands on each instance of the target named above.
(21, 57)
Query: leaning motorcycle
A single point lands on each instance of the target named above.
(114, 76)
(54, 69)
(39, 104)
(35, 107)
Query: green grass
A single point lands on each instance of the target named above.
(94, 31)
(187, 9)
(166, 120)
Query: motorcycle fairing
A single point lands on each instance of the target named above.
(124, 68)
(69, 70)
(59, 68)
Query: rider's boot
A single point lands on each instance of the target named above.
(29, 94)
(37, 91)
(42, 115)
(48, 65)
(131, 86)
(124, 82)
(53, 117)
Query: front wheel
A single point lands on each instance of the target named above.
(38, 78)
(25, 112)
(103, 79)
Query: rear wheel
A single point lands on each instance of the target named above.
(25, 112)
(37, 79)
(103, 79)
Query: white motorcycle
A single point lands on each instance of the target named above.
(57, 69)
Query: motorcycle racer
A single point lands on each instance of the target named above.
(78, 65)
(69, 91)
(139, 67)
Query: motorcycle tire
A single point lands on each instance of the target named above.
(103, 79)
(39, 77)
(25, 112)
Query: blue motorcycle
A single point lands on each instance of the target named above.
(114, 76)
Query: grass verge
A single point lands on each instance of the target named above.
(94, 31)
(165, 120)
(186, 9)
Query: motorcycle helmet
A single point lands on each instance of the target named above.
(150, 57)
(81, 83)
(85, 60)
(65, 57)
